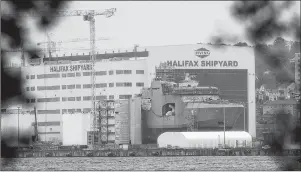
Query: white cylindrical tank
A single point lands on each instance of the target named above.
(75, 128)
(204, 139)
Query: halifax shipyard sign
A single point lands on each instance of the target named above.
(71, 68)
(202, 53)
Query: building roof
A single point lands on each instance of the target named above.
(99, 56)
(281, 102)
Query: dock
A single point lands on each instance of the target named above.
(153, 152)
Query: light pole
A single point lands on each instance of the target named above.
(18, 126)
(224, 127)
(244, 117)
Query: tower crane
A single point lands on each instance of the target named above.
(88, 15)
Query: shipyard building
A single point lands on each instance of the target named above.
(62, 85)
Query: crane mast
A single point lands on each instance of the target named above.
(95, 125)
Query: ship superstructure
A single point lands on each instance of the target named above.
(185, 106)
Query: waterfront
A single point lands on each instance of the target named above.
(181, 163)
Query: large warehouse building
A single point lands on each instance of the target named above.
(62, 85)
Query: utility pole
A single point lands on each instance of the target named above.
(18, 126)
(224, 128)
(36, 125)
(244, 117)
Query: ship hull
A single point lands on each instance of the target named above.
(206, 119)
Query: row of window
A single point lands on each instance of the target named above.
(85, 98)
(79, 86)
(78, 74)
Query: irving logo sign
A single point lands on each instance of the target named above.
(202, 52)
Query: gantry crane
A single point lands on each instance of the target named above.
(88, 15)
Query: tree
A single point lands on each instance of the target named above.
(15, 35)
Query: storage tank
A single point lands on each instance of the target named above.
(122, 122)
(74, 128)
(191, 140)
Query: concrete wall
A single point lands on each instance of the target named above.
(135, 121)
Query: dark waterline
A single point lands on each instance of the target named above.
(192, 163)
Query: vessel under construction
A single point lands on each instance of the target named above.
(186, 106)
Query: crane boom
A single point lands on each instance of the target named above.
(68, 13)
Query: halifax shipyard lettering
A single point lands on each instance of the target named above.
(70, 68)
(194, 63)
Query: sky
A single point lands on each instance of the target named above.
(145, 23)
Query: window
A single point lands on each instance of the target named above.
(125, 96)
(64, 110)
(54, 99)
(101, 85)
(127, 84)
(78, 98)
(168, 109)
(111, 72)
(32, 100)
(101, 73)
(32, 76)
(119, 84)
(27, 100)
(118, 72)
(127, 72)
(111, 97)
(64, 75)
(70, 74)
(86, 73)
(32, 88)
(64, 99)
(123, 84)
(85, 110)
(27, 76)
(53, 123)
(86, 98)
(71, 86)
(55, 87)
(71, 110)
(27, 88)
(139, 84)
(139, 71)
(78, 86)
(57, 111)
(78, 110)
(63, 87)
(54, 75)
(87, 86)
(111, 84)
(101, 97)
(71, 98)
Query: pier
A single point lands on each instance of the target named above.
(153, 152)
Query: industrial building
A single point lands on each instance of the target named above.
(62, 85)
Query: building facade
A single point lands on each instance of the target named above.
(58, 89)
(62, 85)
